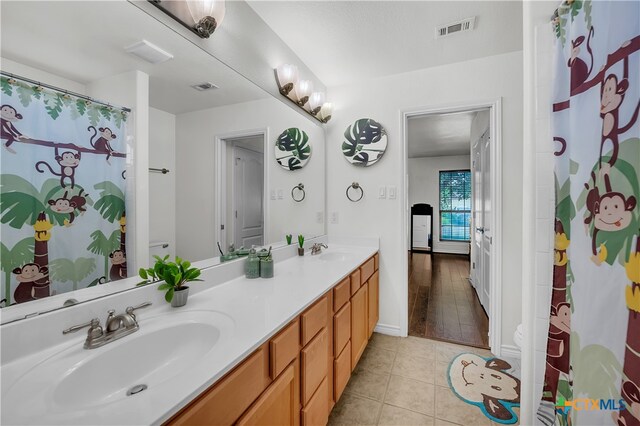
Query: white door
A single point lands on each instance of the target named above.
(248, 197)
(481, 258)
(421, 227)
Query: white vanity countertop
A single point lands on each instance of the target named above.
(257, 309)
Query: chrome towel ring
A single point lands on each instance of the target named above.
(299, 187)
(356, 186)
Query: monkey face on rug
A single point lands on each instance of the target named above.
(485, 383)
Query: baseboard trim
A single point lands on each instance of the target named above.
(510, 351)
(391, 330)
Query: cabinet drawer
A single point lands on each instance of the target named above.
(376, 261)
(228, 399)
(316, 413)
(366, 270)
(284, 348)
(278, 405)
(341, 371)
(355, 281)
(341, 328)
(315, 362)
(341, 294)
(314, 319)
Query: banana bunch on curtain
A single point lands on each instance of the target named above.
(593, 349)
(62, 192)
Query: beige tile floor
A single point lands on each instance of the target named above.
(402, 381)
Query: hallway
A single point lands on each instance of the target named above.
(442, 303)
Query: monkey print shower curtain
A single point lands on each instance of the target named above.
(593, 349)
(62, 192)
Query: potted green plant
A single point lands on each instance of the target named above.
(289, 237)
(175, 275)
(301, 245)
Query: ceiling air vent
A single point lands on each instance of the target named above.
(204, 86)
(456, 27)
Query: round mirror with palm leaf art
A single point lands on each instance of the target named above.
(365, 142)
(293, 149)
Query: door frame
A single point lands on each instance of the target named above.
(220, 184)
(495, 126)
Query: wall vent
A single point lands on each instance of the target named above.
(204, 86)
(456, 27)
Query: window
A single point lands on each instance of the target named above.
(455, 205)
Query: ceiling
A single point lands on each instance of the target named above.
(439, 135)
(51, 37)
(347, 41)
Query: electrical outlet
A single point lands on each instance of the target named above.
(319, 217)
(335, 218)
(382, 192)
(280, 194)
(273, 194)
(392, 192)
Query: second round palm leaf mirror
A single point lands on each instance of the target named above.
(365, 142)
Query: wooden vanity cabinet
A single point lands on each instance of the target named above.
(297, 376)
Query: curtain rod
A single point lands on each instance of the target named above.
(67, 92)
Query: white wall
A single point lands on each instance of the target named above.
(424, 187)
(196, 175)
(42, 76)
(162, 187)
(384, 99)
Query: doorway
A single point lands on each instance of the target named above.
(452, 294)
(241, 190)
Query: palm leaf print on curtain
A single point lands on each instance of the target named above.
(62, 192)
(593, 346)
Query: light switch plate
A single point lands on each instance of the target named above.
(319, 217)
(382, 192)
(393, 190)
(273, 194)
(335, 217)
(280, 194)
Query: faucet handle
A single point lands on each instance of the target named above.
(93, 325)
(130, 309)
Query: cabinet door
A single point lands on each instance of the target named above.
(341, 328)
(374, 301)
(315, 363)
(341, 371)
(316, 413)
(278, 405)
(359, 324)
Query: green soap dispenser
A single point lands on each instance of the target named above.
(252, 264)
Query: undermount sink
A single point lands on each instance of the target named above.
(336, 256)
(162, 349)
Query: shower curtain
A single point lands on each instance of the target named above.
(62, 191)
(593, 348)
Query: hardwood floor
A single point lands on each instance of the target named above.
(442, 303)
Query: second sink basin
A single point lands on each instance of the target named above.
(163, 348)
(336, 256)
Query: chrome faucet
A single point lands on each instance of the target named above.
(116, 327)
(317, 248)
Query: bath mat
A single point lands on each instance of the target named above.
(485, 383)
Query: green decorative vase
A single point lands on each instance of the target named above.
(252, 265)
(266, 267)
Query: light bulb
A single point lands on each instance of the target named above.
(286, 76)
(303, 91)
(315, 102)
(325, 112)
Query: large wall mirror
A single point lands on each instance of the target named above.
(162, 148)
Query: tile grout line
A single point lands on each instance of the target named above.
(386, 389)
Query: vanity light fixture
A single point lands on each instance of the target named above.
(301, 92)
(200, 16)
(207, 15)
